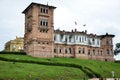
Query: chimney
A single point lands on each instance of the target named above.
(106, 33)
(85, 31)
(75, 30)
(72, 30)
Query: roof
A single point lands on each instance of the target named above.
(33, 3)
(107, 35)
(76, 32)
(70, 32)
(58, 31)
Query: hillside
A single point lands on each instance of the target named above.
(25, 67)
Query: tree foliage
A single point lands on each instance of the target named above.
(117, 49)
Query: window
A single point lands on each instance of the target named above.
(65, 39)
(88, 52)
(83, 50)
(41, 9)
(93, 40)
(89, 42)
(44, 22)
(85, 38)
(76, 37)
(101, 52)
(108, 52)
(54, 37)
(43, 43)
(61, 37)
(38, 42)
(47, 43)
(70, 50)
(66, 51)
(93, 51)
(70, 38)
(111, 51)
(110, 42)
(44, 10)
(107, 42)
(98, 52)
(80, 39)
(79, 50)
(55, 50)
(60, 50)
(97, 42)
(43, 30)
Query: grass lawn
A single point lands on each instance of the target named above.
(100, 67)
(20, 71)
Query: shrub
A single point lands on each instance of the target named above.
(17, 53)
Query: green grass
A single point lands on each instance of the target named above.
(102, 68)
(20, 71)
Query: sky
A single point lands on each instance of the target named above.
(100, 17)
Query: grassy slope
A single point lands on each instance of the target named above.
(20, 71)
(103, 68)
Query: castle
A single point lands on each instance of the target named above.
(41, 40)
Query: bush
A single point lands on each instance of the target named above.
(16, 53)
(117, 61)
(94, 73)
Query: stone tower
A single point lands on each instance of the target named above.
(39, 30)
(107, 46)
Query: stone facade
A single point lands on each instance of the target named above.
(82, 45)
(39, 30)
(15, 45)
(41, 40)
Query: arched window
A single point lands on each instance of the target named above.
(66, 51)
(70, 50)
(93, 40)
(60, 50)
(88, 52)
(55, 50)
(79, 50)
(83, 50)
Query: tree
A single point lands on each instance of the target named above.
(117, 49)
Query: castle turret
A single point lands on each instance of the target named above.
(107, 46)
(39, 30)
